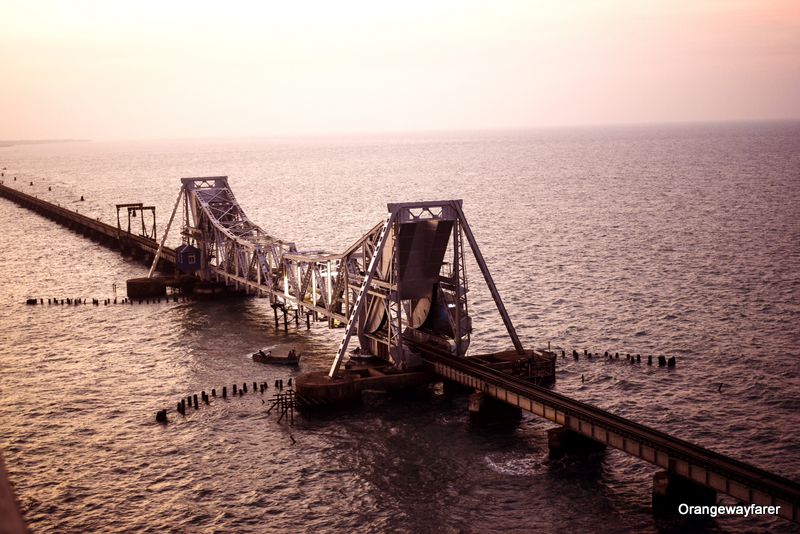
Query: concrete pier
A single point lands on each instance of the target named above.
(320, 390)
(138, 288)
(562, 441)
(534, 366)
(671, 490)
(317, 389)
(486, 409)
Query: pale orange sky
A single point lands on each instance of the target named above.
(156, 69)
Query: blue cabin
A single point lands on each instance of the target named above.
(187, 258)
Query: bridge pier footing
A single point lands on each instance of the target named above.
(484, 408)
(562, 441)
(671, 490)
(145, 288)
(456, 388)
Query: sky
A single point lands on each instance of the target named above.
(109, 70)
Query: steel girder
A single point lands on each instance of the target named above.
(342, 287)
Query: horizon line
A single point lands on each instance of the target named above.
(4, 143)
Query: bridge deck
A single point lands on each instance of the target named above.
(707, 468)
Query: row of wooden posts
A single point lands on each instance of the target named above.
(75, 301)
(192, 401)
(663, 361)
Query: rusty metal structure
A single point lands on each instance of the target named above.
(402, 283)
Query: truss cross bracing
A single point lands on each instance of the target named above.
(405, 279)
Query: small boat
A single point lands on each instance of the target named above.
(266, 357)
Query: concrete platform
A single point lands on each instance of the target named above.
(317, 389)
(535, 366)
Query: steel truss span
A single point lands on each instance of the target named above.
(405, 278)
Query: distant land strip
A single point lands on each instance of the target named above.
(6, 143)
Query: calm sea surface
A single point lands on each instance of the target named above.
(677, 240)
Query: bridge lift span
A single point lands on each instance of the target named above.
(405, 279)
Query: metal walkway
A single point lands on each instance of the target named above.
(707, 468)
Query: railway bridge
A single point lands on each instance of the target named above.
(692, 471)
(141, 246)
(402, 290)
